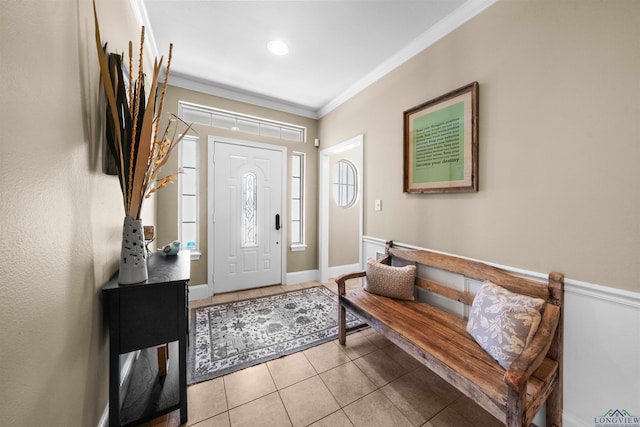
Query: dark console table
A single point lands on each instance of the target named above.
(141, 317)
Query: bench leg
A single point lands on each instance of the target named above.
(554, 407)
(342, 324)
(515, 407)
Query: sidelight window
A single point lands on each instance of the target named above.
(297, 202)
(188, 189)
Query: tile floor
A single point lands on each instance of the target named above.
(369, 382)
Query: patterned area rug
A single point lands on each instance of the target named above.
(232, 336)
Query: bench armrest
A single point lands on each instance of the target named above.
(342, 279)
(532, 356)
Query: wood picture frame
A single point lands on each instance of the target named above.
(441, 143)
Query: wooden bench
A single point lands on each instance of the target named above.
(440, 341)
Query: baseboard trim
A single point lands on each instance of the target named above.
(104, 419)
(569, 420)
(198, 292)
(125, 377)
(343, 269)
(302, 276)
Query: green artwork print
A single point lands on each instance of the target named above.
(439, 145)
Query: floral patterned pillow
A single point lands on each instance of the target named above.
(393, 282)
(503, 322)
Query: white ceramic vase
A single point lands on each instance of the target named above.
(133, 255)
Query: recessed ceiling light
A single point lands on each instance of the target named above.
(278, 47)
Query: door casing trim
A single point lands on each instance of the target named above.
(323, 215)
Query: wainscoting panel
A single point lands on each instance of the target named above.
(602, 346)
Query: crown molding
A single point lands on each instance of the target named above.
(142, 18)
(465, 12)
(204, 86)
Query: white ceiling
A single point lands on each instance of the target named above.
(336, 47)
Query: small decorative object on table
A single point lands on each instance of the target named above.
(133, 255)
(149, 237)
(172, 248)
(134, 141)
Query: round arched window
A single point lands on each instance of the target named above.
(345, 178)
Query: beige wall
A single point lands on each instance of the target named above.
(559, 125)
(168, 197)
(60, 216)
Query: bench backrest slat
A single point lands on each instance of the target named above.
(446, 291)
(475, 270)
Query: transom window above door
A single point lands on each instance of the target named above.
(210, 116)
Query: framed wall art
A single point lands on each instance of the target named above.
(441, 143)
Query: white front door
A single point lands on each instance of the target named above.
(248, 217)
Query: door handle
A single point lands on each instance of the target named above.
(277, 221)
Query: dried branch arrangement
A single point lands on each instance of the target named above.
(132, 124)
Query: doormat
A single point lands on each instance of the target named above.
(232, 336)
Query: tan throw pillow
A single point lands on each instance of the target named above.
(503, 322)
(393, 282)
